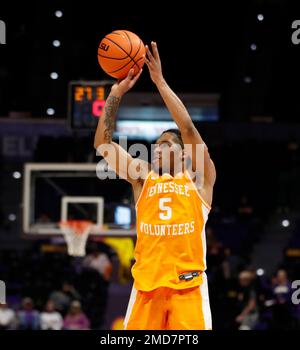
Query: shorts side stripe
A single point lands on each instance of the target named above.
(205, 303)
(130, 306)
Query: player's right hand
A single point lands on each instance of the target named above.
(122, 86)
(153, 63)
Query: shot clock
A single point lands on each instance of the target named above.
(86, 102)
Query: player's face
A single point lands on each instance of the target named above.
(167, 157)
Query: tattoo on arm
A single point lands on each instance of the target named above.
(111, 107)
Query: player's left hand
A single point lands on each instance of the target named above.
(154, 64)
(122, 86)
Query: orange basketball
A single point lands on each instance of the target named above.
(120, 51)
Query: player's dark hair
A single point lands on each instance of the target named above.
(177, 133)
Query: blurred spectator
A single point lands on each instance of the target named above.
(43, 218)
(76, 319)
(214, 246)
(50, 318)
(62, 298)
(245, 209)
(215, 252)
(99, 262)
(231, 264)
(283, 309)
(247, 316)
(94, 282)
(28, 318)
(7, 317)
(282, 287)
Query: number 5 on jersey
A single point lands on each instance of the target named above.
(165, 210)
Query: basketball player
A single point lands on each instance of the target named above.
(170, 286)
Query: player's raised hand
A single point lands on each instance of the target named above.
(153, 63)
(122, 86)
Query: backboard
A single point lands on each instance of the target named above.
(55, 192)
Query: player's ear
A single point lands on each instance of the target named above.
(186, 158)
(184, 155)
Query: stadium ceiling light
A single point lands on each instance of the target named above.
(260, 17)
(50, 111)
(12, 217)
(54, 75)
(16, 175)
(58, 14)
(285, 223)
(247, 80)
(56, 43)
(260, 272)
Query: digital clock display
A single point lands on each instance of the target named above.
(86, 102)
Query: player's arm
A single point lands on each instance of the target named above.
(117, 158)
(190, 134)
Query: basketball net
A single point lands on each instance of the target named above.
(76, 233)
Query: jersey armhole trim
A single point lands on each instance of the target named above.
(196, 189)
(143, 189)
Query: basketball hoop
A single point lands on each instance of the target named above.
(76, 233)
